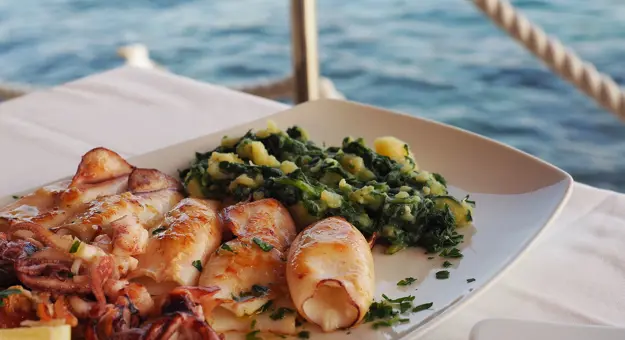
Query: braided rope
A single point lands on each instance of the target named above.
(558, 58)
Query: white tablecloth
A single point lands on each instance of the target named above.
(575, 273)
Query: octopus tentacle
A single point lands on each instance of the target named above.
(184, 325)
(47, 275)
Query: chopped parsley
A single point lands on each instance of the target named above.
(6, 293)
(158, 230)
(74, 247)
(451, 253)
(226, 247)
(303, 335)
(442, 275)
(252, 335)
(408, 298)
(466, 199)
(469, 216)
(15, 197)
(280, 312)
(256, 291)
(422, 307)
(390, 322)
(387, 312)
(440, 179)
(198, 265)
(430, 257)
(262, 244)
(253, 325)
(447, 264)
(470, 280)
(405, 303)
(265, 307)
(407, 281)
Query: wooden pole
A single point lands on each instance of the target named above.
(305, 57)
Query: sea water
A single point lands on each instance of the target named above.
(440, 59)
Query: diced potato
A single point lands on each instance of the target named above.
(194, 189)
(396, 150)
(331, 199)
(256, 151)
(271, 129)
(287, 167)
(243, 180)
(229, 142)
(216, 158)
(352, 163)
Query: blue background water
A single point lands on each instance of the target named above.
(435, 58)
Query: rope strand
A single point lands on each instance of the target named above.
(556, 56)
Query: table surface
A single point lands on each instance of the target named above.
(575, 273)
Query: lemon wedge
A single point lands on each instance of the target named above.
(63, 332)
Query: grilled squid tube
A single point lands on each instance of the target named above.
(179, 247)
(266, 219)
(250, 271)
(330, 274)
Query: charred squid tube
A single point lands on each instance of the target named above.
(179, 248)
(330, 274)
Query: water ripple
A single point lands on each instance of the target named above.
(435, 58)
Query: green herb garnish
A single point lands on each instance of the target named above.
(440, 179)
(303, 335)
(253, 324)
(447, 264)
(262, 244)
(280, 313)
(451, 253)
(256, 291)
(264, 307)
(252, 335)
(390, 322)
(74, 247)
(470, 280)
(466, 199)
(398, 300)
(7, 292)
(407, 281)
(387, 312)
(442, 275)
(422, 307)
(15, 197)
(198, 265)
(226, 247)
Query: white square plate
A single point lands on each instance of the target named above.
(517, 195)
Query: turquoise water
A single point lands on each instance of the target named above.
(435, 58)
